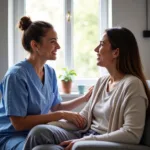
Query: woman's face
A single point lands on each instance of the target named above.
(48, 47)
(105, 55)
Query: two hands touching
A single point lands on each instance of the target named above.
(78, 120)
(75, 117)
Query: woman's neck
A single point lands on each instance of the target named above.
(37, 63)
(114, 79)
(115, 76)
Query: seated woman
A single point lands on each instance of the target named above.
(29, 89)
(116, 111)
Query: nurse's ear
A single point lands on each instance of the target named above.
(34, 45)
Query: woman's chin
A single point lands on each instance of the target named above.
(52, 58)
(98, 64)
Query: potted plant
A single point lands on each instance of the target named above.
(66, 78)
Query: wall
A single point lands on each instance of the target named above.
(3, 37)
(131, 14)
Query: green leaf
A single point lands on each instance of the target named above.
(67, 75)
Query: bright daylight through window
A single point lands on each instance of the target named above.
(84, 36)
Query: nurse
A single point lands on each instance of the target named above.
(29, 89)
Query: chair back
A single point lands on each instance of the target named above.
(146, 134)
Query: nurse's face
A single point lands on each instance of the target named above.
(48, 47)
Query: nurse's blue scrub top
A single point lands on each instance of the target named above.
(24, 94)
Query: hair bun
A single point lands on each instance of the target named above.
(24, 23)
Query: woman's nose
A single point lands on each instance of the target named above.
(58, 46)
(96, 49)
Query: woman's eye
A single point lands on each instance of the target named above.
(52, 41)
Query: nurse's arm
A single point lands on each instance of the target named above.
(28, 122)
(71, 104)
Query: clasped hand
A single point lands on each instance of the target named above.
(75, 118)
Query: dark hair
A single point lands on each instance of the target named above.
(129, 61)
(32, 31)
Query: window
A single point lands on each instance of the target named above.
(77, 37)
(85, 37)
(83, 42)
(51, 11)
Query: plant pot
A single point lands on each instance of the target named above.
(66, 86)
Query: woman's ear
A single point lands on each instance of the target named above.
(115, 53)
(34, 45)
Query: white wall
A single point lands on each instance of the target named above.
(3, 37)
(131, 14)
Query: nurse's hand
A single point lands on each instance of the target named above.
(75, 118)
(87, 96)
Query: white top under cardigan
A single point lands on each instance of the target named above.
(101, 111)
(128, 111)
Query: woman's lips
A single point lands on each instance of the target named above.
(54, 53)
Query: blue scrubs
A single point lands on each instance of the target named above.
(24, 94)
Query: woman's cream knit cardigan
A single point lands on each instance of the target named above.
(127, 118)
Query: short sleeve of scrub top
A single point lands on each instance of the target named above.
(15, 96)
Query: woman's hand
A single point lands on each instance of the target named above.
(75, 118)
(69, 143)
(87, 96)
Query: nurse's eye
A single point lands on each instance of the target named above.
(53, 42)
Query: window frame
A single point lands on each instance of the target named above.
(16, 51)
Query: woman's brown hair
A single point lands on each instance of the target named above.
(129, 61)
(32, 31)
